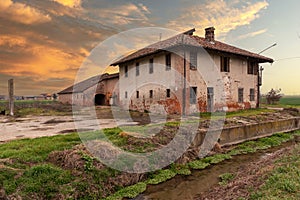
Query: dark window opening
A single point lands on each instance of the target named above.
(151, 66)
(126, 95)
(241, 95)
(252, 67)
(137, 94)
(151, 94)
(168, 93)
(193, 60)
(193, 95)
(168, 61)
(126, 71)
(252, 94)
(137, 69)
(100, 99)
(225, 64)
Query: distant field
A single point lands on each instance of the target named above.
(290, 100)
(28, 101)
(285, 101)
(37, 107)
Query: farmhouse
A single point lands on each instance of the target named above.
(183, 73)
(97, 90)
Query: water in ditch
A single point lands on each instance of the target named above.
(187, 187)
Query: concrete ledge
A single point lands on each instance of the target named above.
(238, 134)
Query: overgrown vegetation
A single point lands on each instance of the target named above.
(284, 180)
(28, 173)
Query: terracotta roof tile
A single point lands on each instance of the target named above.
(84, 85)
(193, 41)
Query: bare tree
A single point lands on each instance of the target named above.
(273, 96)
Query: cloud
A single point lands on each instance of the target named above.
(224, 16)
(252, 34)
(21, 57)
(70, 3)
(7, 40)
(21, 13)
(123, 14)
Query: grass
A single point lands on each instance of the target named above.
(284, 180)
(285, 102)
(31, 176)
(37, 150)
(290, 100)
(225, 178)
(37, 107)
(247, 147)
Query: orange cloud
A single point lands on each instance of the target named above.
(224, 16)
(42, 61)
(252, 34)
(6, 40)
(70, 3)
(21, 12)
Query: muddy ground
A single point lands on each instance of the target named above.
(32, 126)
(37, 126)
(248, 179)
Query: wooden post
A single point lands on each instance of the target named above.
(11, 96)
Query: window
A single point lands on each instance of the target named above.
(168, 93)
(252, 67)
(252, 94)
(193, 60)
(193, 95)
(137, 69)
(168, 61)
(137, 94)
(241, 95)
(126, 95)
(151, 94)
(151, 66)
(126, 71)
(225, 64)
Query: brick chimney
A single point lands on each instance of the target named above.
(210, 34)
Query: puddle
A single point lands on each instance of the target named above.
(187, 187)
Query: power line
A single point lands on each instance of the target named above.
(289, 58)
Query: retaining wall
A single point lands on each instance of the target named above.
(238, 134)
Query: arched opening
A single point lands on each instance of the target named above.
(100, 99)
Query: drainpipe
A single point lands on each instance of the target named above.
(184, 80)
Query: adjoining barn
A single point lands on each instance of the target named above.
(183, 55)
(97, 90)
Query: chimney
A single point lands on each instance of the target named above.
(210, 34)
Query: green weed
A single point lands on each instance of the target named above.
(225, 178)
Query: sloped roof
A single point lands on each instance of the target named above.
(86, 84)
(192, 40)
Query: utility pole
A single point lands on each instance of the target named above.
(11, 96)
(259, 76)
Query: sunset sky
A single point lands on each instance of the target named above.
(44, 42)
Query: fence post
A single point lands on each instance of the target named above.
(11, 96)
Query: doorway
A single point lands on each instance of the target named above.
(100, 100)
